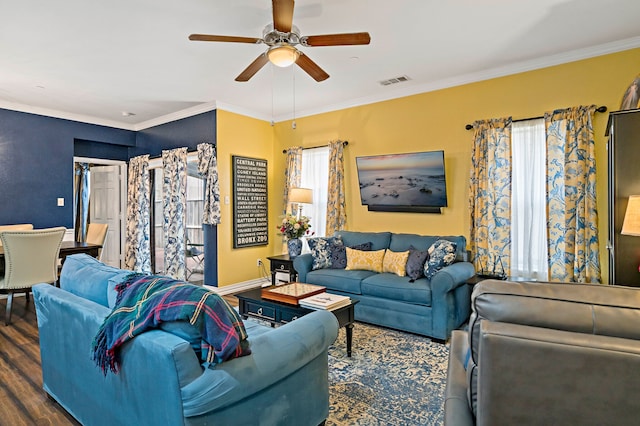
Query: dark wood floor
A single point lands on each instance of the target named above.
(22, 399)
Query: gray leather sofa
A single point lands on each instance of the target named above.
(546, 354)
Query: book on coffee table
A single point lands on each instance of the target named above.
(326, 301)
(291, 293)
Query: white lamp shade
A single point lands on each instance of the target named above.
(283, 56)
(301, 195)
(631, 224)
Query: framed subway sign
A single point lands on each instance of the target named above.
(250, 214)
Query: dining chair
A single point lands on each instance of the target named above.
(97, 234)
(17, 227)
(31, 257)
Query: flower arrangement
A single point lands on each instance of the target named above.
(293, 227)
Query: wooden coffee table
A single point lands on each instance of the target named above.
(251, 304)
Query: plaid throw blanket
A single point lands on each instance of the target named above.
(145, 301)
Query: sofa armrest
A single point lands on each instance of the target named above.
(274, 356)
(456, 403)
(450, 298)
(154, 365)
(574, 378)
(303, 264)
(452, 276)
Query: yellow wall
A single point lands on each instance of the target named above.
(240, 135)
(436, 120)
(424, 122)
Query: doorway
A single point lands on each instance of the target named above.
(107, 204)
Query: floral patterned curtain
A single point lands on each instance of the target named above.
(174, 191)
(571, 196)
(336, 205)
(490, 195)
(137, 247)
(208, 169)
(292, 175)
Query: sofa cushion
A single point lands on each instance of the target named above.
(395, 262)
(401, 242)
(379, 240)
(87, 277)
(441, 253)
(415, 262)
(339, 279)
(339, 254)
(322, 249)
(392, 287)
(365, 260)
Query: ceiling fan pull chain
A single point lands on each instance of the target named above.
(293, 73)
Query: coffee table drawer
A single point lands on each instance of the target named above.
(265, 312)
(288, 316)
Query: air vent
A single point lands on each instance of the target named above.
(395, 80)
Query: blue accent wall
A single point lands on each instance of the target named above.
(187, 132)
(36, 165)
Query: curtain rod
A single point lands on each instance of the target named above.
(599, 109)
(155, 157)
(345, 143)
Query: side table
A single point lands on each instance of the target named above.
(283, 264)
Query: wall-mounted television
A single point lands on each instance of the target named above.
(412, 182)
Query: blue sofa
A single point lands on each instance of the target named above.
(162, 381)
(428, 307)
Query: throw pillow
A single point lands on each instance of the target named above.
(321, 249)
(339, 254)
(415, 263)
(395, 262)
(441, 253)
(364, 260)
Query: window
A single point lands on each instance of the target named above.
(315, 175)
(528, 200)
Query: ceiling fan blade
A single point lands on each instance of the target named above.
(232, 39)
(311, 68)
(283, 15)
(253, 68)
(346, 39)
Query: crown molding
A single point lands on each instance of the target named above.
(175, 116)
(515, 68)
(88, 119)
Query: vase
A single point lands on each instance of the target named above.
(294, 247)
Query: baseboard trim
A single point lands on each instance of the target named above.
(238, 287)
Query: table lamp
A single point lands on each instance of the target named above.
(300, 196)
(631, 223)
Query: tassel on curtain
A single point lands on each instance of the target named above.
(292, 176)
(138, 250)
(174, 191)
(82, 174)
(208, 169)
(336, 205)
(571, 191)
(490, 194)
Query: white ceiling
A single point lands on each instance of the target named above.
(90, 60)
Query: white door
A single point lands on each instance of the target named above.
(104, 207)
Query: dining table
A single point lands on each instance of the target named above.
(67, 248)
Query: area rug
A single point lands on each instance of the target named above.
(392, 378)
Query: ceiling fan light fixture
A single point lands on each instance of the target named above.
(283, 55)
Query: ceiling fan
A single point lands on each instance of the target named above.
(282, 37)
